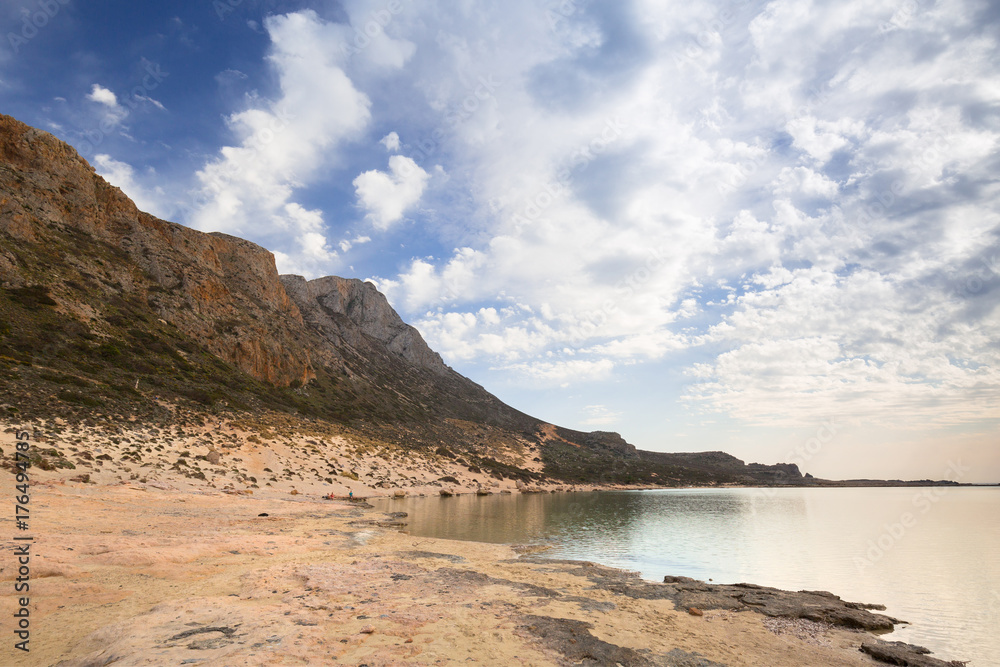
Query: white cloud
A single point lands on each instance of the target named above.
(804, 182)
(819, 138)
(102, 95)
(249, 188)
(347, 244)
(111, 112)
(753, 159)
(122, 175)
(228, 77)
(150, 100)
(600, 415)
(387, 196)
(390, 141)
(563, 373)
(867, 346)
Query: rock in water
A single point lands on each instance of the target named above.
(900, 653)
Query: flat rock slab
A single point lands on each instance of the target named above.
(907, 655)
(576, 643)
(686, 593)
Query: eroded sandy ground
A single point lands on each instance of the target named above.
(268, 455)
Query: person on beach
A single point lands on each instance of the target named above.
(350, 494)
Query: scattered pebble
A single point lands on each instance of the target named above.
(808, 631)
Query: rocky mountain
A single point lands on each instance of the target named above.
(352, 309)
(109, 312)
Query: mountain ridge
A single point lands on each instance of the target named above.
(107, 307)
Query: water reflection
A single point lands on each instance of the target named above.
(941, 572)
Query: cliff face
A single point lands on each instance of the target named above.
(722, 463)
(219, 289)
(338, 307)
(130, 298)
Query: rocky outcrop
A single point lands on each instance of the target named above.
(575, 642)
(907, 655)
(599, 441)
(687, 593)
(55, 212)
(351, 307)
(720, 463)
(697, 596)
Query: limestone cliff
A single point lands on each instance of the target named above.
(348, 308)
(219, 289)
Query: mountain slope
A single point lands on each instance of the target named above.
(106, 311)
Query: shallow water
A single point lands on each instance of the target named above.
(932, 556)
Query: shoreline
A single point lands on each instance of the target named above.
(217, 547)
(143, 576)
(245, 457)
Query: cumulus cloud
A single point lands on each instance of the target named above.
(390, 141)
(782, 193)
(112, 113)
(102, 95)
(282, 143)
(795, 203)
(386, 196)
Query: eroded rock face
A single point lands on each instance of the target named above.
(325, 302)
(220, 289)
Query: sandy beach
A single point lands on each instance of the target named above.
(152, 565)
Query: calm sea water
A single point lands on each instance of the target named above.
(932, 556)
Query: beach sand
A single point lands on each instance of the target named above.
(165, 569)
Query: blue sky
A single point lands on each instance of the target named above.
(765, 227)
